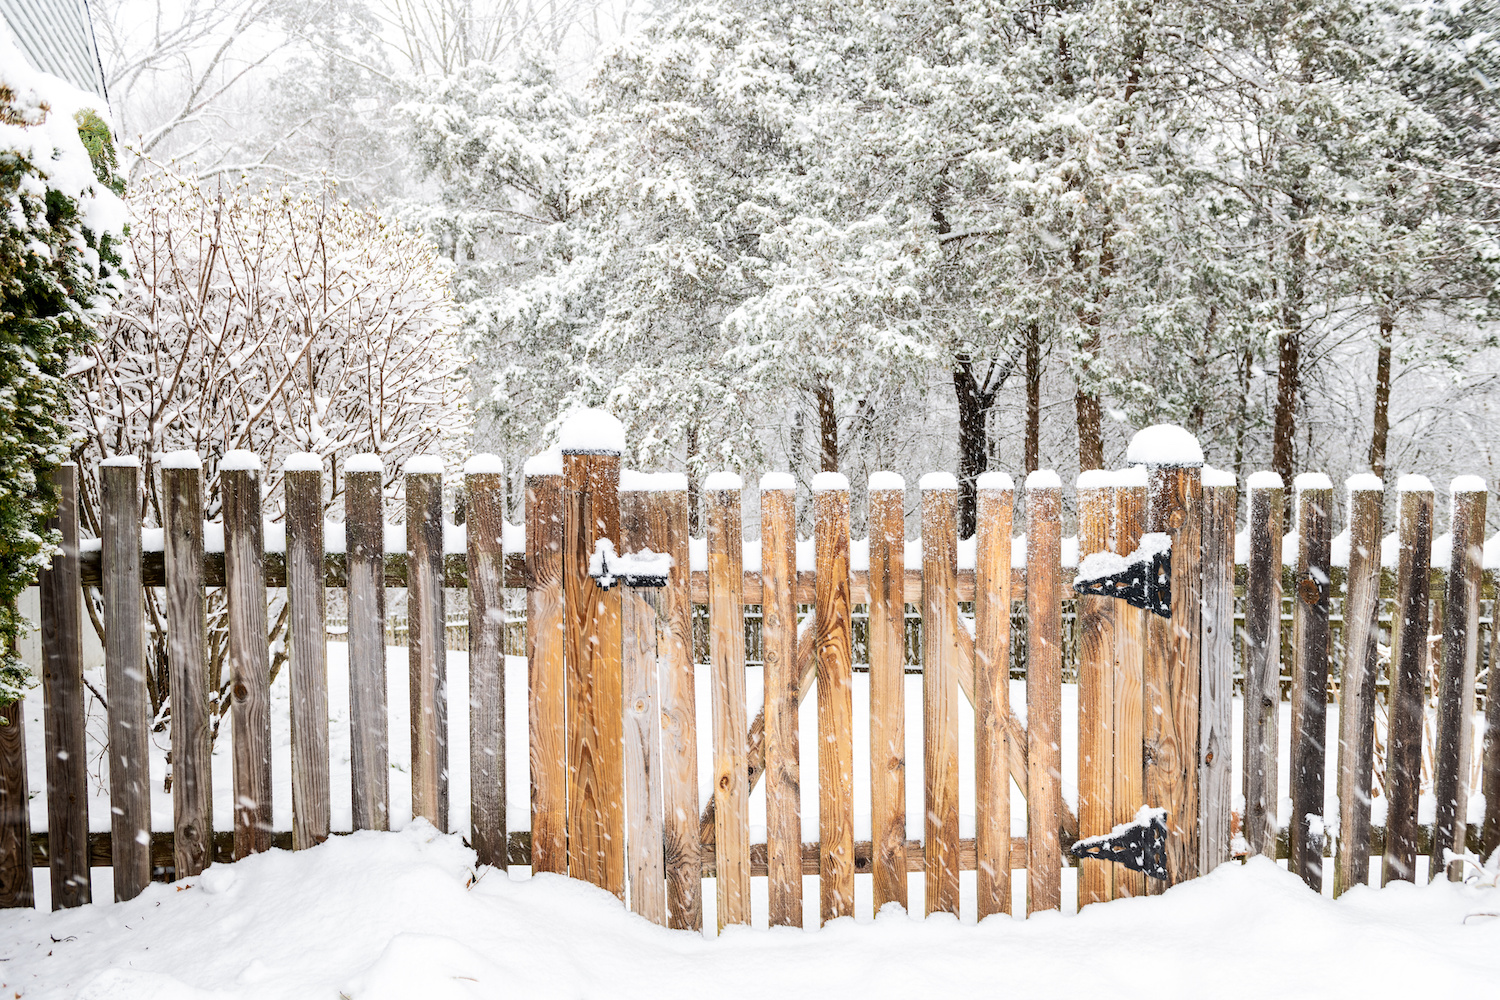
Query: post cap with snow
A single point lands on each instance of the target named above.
(1164, 444)
(591, 432)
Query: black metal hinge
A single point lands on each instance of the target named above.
(1140, 846)
(1142, 579)
(633, 569)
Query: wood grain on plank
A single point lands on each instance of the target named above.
(369, 728)
(731, 802)
(485, 519)
(835, 704)
(63, 714)
(125, 678)
(887, 645)
(940, 670)
(546, 685)
(1172, 682)
(15, 819)
(1216, 697)
(1043, 699)
(1310, 684)
(427, 648)
(1262, 669)
(1096, 645)
(1357, 689)
(249, 659)
(668, 511)
(596, 750)
(1403, 759)
(308, 607)
(991, 699)
(187, 654)
(778, 534)
(1129, 522)
(1490, 773)
(644, 853)
(1456, 703)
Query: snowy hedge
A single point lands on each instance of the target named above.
(59, 221)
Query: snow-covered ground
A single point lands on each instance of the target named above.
(405, 916)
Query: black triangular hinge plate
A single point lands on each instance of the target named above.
(1141, 846)
(1144, 584)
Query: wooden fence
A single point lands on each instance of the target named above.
(612, 721)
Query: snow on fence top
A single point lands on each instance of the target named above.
(1132, 476)
(302, 461)
(180, 460)
(885, 480)
(1217, 477)
(365, 461)
(239, 460)
(632, 481)
(1311, 481)
(547, 463)
(423, 465)
(484, 464)
(121, 462)
(830, 481)
(777, 481)
(1095, 479)
(1263, 480)
(1043, 479)
(938, 481)
(1364, 482)
(1164, 444)
(995, 481)
(1467, 484)
(1413, 484)
(720, 481)
(595, 432)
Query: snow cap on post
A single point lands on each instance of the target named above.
(1467, 484)
(1095, 479)
(826, 481)
(720, 482)
(885, 480)
(1217, 477)
(484, 464)
(180, 460)
(1263, 480)
(938, 481)
(632, 481)
(1311, 481)
(777, 481)
(302, 461)
(239, 460)
(365, 461)
(121, 462)
(547, 463)
(995, 481)
(423, 465)
(1043, 479)
(1413, 484)
(1130, 477)
(591, 432)
(1164, 444)
(1364, 482)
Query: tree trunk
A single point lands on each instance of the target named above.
(1086, 405)
(828, 429)
(1289, 348)
(1033, 398)
(694, 526)
(1381, 433)
(1247, 363)
(972, 450)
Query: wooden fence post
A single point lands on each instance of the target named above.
(1357, 689)
(591, 443)
(1309, 735)
(1490, 776)
(484, 485)
(125, 675)
(1262, 661)
(1174, 507)
(887, 645)
(1130, 666)
(1216, 697)
(940, 689)
(249, 655)
(992, 598)
(308, 627)
(427, 645)
(778, 536)
(1096, 668)
(15, 818)
(835, 696)
(726, 643)
(546, 687)
(1403, 761)
(62, 687)
(187, 652)
(1456, 685)
(369, 729)
(1043, 692)
(639, 607)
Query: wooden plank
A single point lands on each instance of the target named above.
(15, 819)
(546, 676)
(778, 534)
(1490, 774)
(1309, 735)
(125, 675)
(731, 801)
(369, 728)
(1096, 644)
(308, 624)
(1130, 665)
(596, 763)
(1403, 759)
(887, 645)
(1043, 693)
(427, 644)
(484, 486)
(940, 670)
(1216, 696)
(1262, 662)
(1174, 506)
(63, 715)
(835, 697)
(187, 654)
(249, 655)
(679, 712)
(1455, 737)
(1357, 690)
(644, 851)
(992, 846)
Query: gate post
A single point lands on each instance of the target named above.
(1174, 506)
